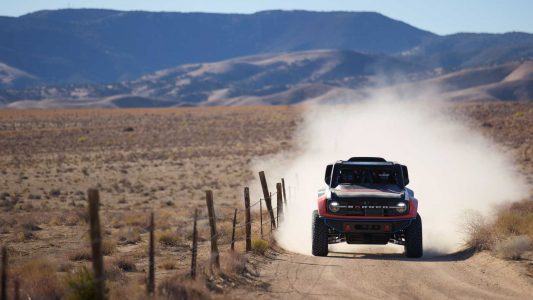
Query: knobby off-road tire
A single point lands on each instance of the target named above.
(413, 239)
(320, 236)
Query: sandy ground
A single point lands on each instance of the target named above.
(371, 274)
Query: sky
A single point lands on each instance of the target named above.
(438, 16)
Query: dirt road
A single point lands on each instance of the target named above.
(369, 274)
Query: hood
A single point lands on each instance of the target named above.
(388, 191)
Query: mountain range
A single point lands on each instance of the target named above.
(88, 57)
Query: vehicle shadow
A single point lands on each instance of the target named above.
(429, 256)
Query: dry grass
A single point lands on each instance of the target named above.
(81, 285)
(127, 236)
(512, 247)
(509, 235)
(234, 263)
(39, 280)
(109, 247)
(179, 288)
(49, 158)
(259, 246)
(125, 263)
(479, 233)
(170, 238)
(516, 219)
(82, 254)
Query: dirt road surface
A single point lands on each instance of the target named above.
(371, 274)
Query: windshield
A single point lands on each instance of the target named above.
(365, 175)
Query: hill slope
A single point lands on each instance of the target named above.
(87, 45)
(290, 78)
(267, 79)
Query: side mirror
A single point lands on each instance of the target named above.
(405, 175)
(327, 176)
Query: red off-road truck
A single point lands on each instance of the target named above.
(366, 202)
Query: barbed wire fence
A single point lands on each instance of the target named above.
(272, 215)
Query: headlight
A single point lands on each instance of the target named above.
(334, 206)
(401, 207)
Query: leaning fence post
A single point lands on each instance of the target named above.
(194, 245)
(268, 199)
(4, 274)
(284, 194)
(96, 243)
(247, 219)
(215, 258)
(150, 285)
(279, 201)
(233, 231)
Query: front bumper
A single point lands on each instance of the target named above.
(354, 231)
(387, 226)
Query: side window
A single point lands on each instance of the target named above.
(405, 175)
(327, 176)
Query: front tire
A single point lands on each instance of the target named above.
(413, 239)
(320, 236)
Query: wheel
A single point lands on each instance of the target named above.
(320, 236)
(413, 239)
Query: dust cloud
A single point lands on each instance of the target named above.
(453, 169)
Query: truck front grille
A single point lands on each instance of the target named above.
(369, 207)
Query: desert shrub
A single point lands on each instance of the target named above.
(235, 262)
(83, 214)
(113, 273)
(512, 247)
(169, 238)
(136, 220)
(80, 285)
(129, 236)
(125, 264)
(259, 245)
(80, 254)
(179, 288)
(168, 265)
(126, 291)
(23, 235)
(519, 114)
(479, 235)
(108, 247)
(72, 219)
(517, 219)
(38, 279)
(30, 225)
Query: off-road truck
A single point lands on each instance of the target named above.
(366, 202)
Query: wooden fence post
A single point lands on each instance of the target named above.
(261, 215)
(150, 285)
(16, 292)
(4, 274)
(284, 194)
(268, 199)
(271, 215)
(215, 257)
(247, 219)
(233, 231)
(279, 201)
(96, 244)
(194, 245)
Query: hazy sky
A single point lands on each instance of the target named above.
(439, 16)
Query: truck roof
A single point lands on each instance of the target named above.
(364, 163)
(373, 161)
